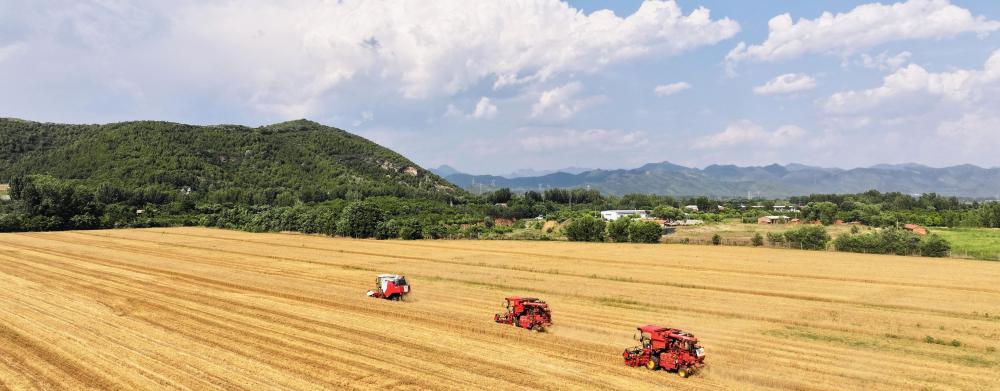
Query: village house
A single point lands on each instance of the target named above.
(611, 215)
(915, 229)
(772, 219)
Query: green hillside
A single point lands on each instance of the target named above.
(300, 159)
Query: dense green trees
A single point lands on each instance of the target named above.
(809, 237)
(618, 230)
(585, 229)
(644, 232)
(893, 241)
(668, 212)
(361, 219)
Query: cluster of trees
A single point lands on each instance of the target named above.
(879, 209)
(808, 237)
(591, 229)
(893, 241)
(877, 241)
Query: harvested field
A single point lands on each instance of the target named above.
(196, 308)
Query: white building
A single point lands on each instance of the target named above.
(610, 215)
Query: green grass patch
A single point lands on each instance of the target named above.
(891, 342)
(620, 302)
(978, 243)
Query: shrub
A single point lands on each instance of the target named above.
(644, 232)
(807, 238)
(893, 241)
(410, 229)
(360, 220)
(934, 246)
(776, 238)
(435, 231)
(716, 240)
(387, 230)
(618, 230)
(899, 241)
(473, 231)
(585, 229)
(757, 239)
(668, 212)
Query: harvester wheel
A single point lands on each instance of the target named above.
(683, 372)
(653, 364)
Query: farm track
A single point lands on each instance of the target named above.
(192, 308)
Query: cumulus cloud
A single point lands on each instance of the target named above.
(562, 102)
(884, 62)
(586, 139)
(670, 89)
(747, 133)
(979, 129)
(441, 48)
(913, 82)
(286, 57)
(863, 27)
(10, 50)
(785, 84)
(484, 109)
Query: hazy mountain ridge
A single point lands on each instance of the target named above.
(773, 180)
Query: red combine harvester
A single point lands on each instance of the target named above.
(390, 287)
(666, 348)
(525, 312)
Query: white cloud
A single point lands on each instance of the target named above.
(884, 62)
(11, 50)
(787, 83)
(670, 89)
(915, 83)
(452, 111)
(585, 139)
(562, 103)
(366, 116)
(980, 129)
(484, 109)
(750, 134)
(863, 27)
(291, 57)
(443, 47)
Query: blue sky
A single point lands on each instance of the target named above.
(491, 87)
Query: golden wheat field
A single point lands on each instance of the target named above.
(196, 308)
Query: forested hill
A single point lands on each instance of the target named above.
(300, 159)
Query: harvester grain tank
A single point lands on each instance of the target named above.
(390, 287)
(666, 348)
(525, 312)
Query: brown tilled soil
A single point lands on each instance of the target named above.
(196, 308)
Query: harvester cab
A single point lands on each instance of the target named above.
(666, 348)
(390, 287)
(525, 312)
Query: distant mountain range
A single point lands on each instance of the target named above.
(765, 181)
(446, 170)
